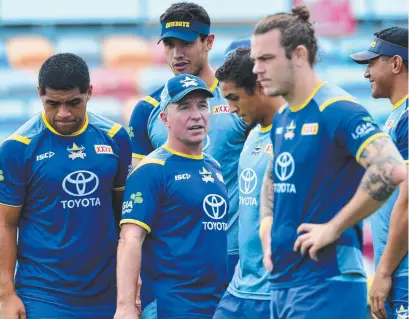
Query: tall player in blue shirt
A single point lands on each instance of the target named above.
(174, 217)
(248, 294)
(323, 140)
(387, 60)
(62, 179)
(187, 42)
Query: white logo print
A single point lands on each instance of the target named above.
(45, 156)
(189, 82)
(215, 207)
(402, 313)
(80, 183)
(284, 166)
(248, 181)
(206, 175)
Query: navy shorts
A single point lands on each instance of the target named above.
(329, 299)
(232, 307)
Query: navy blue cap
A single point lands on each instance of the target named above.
(242, 43)
(377, 48)
(181, 85)
(184, 30)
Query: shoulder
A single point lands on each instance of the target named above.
(107, 126)
(27, 132)
(150, 101)
(211, 160)
(331, 97)
(155, 161)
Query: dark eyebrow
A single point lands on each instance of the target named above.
(229, 96)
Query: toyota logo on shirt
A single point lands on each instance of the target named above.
(215, 206)
(80, 183)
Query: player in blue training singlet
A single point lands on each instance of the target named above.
(66, 185)
(227, 132)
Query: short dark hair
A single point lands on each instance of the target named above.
(186, 11)
(238, 68)
(395, 35)
(295, 28)
(64, 71)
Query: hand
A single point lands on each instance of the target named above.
(138, 297)
(267, 262)
(380, 289)
(315, 237)
(11, 307)
(126, 312)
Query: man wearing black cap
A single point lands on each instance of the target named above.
(175, 216)
(387, 71)
(187, 40)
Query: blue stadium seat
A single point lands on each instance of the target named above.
(87, 48)
(108, 107)
(17, 83)
(152, 78)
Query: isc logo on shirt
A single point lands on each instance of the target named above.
(182, 176)
(309, 129)
(103, 149)
(221, 109)
(45, 155)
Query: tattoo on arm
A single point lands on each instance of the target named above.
(382, 161)
(267, 193)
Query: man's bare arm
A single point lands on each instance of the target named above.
(129, 265)
(9, 217)
(266, 214)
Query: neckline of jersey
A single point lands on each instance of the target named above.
(299, 108)
(80, 131)
(266, 129)
(400, 102)
(214, 85)
(170, 150)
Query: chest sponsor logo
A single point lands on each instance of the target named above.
(388, 125)
(220, 109)
(279, 130)
(215, 207)
(284, 168)
(309, 129)
(290, 131)
(247, 185)
(363, 130)
(206, 175)
(180, 177)
(103, 149)
(76, 152)
(220, 177)
(81, 185)
(45, 156)
(268, 149)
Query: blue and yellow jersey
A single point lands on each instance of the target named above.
(224, 142)
(181, 201)
(316, 172)
(397, 127)
(250, 280)
(64, 183)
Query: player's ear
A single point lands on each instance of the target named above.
(89, 93)
(40, 94)
(164, 117)
(300, 55)
(209, 41)
(397, 64)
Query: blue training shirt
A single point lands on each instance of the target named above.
(316, 172)
(250, 280)
(227, 134)
(397, 127)
(181, 200)
(67, 236)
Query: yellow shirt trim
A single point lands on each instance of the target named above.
(19, 138)
(114, 129)
(324, 105)
(147, 161)
(214, 84)
(134, 155)
(119, 189)
(299, 108)
(196, 157)
(266, 129)
(135, 222)
(80, 131)
(151, 100)
(397, 104)
(366, 143)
